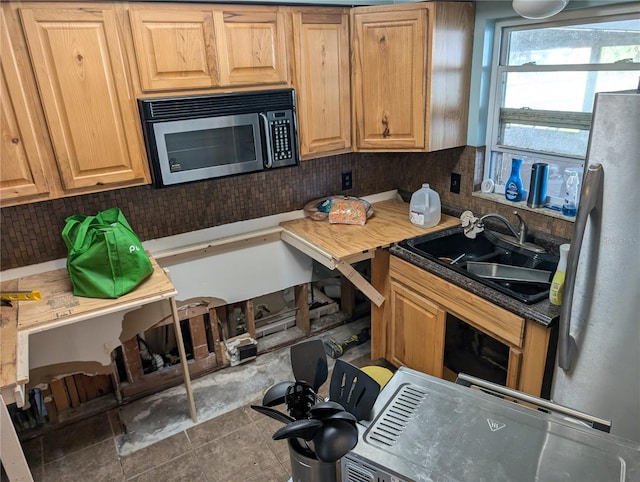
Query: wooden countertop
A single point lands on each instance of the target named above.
(58, 307)
(389, 224)
(337, 246)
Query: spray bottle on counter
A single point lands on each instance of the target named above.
(514, 190)
(557, 284)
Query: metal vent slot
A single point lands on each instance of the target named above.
(216, 105)
(358, 474)
(393, 421)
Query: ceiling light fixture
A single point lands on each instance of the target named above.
(537, 9)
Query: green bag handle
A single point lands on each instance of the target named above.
(113, 215)
(75, 229)
(75, 239)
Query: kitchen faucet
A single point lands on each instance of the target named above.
(520, 235)
(472, 226)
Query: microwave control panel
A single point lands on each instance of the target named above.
(281, 126)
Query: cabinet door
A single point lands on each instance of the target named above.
(91, 113)
(251, 46)
(22, 172)
(389, 78)
(174, 48)
(321, 80)
(416, 331)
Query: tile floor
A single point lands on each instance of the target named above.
(235, 447)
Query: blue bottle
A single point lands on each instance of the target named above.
(513, 190)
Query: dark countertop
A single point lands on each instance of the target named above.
(542, 312)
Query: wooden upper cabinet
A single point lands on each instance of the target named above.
(23, 170)
(322, 81)
(77, 57)
(251, 45)
(389, 79)
(411, 73)
(174, 48)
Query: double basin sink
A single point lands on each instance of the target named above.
(514, 270)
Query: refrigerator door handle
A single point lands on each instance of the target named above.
(589, 198)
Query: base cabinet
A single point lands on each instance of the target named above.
(441, 329)
(418, 340)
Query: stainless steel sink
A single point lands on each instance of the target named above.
(451, 248)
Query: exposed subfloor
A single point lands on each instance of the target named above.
(155, 439)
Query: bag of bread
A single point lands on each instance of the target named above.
(348, 211)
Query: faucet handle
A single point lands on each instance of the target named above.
(522, 234)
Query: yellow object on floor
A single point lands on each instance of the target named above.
(380, 374)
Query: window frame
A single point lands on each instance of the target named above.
(499, 67)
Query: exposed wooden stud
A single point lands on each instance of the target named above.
(49, 403)
(132, 360)
(59, 393)
(198, 337)
(301, 293)
(347, 296)
(215, 332)
(250, 319)
(72, 391)
(81, 389)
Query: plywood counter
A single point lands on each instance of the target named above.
(336, 246)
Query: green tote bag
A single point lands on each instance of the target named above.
(106, 258)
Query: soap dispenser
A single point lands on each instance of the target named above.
(557, 284)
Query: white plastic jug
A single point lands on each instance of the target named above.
(424, 209)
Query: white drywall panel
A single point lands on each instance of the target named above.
(241, 274)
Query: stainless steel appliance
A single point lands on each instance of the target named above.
(425, 428)
(192, 138)
(598, 358)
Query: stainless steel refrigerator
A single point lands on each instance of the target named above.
(598, 360)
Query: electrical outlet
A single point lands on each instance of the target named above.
(347, 180)
(455, 183)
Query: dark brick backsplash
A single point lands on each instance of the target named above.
(30, 233)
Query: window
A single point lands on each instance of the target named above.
(545, 78)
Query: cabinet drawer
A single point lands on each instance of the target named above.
(474, 310)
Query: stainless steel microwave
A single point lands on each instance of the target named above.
(192, 138)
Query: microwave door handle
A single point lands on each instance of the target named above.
(590, 198)
(265, 121)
